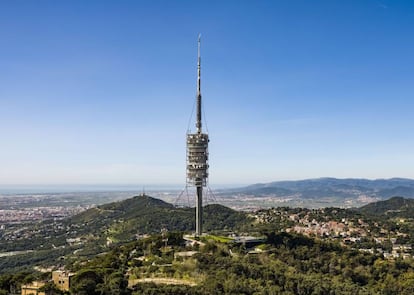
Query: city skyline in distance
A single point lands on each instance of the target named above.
(100, 93)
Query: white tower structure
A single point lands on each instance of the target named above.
(197, 154)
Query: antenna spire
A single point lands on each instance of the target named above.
(198, 122)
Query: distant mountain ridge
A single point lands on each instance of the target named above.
(334, 187)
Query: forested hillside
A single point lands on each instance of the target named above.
(145, 215)
(110, 254)
(95, 230)
(393, 207)
(286, 264)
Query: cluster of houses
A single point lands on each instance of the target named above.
(349, 232)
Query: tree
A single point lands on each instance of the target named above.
(85, 282)
(51, 289)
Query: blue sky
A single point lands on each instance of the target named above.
(101, 92)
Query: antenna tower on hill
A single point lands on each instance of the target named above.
(197, 154)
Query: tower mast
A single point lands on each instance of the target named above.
(197, 154)
(198, 122)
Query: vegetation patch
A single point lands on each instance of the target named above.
(220, 239)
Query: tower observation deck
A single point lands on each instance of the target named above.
(197, 154)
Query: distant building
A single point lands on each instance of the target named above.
(33, 288)
(62, 279)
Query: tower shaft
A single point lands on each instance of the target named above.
(199, 211)
(199, 184)
(197, 154)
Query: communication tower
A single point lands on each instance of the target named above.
(197, 155)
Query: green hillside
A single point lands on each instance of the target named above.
(289, 264)
(144, 214)
(394, 207)
(98, 229)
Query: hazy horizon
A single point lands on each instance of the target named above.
(68, 188)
